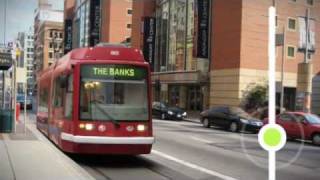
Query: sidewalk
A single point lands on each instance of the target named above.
(193, 116)
(30, 156)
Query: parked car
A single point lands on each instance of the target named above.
(263, 112)
(299, 125)
(232, 118)
(163, 111)
(21, 100)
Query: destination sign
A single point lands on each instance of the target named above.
(118, 72)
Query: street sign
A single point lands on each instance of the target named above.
(5, 60)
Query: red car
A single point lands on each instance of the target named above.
(299, 125)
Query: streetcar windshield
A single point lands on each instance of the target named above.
(113, 92)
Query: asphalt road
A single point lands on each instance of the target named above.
(186, 150)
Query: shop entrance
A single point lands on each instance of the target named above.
(194, 98)
(289, 98)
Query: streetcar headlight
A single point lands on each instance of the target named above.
(82, 126)
(141, 127)
(89, 127)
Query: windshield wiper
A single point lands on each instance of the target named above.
(115, 122)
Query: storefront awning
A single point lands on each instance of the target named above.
(180, 77)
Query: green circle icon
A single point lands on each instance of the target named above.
(272, 137)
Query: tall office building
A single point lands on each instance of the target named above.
(209, 53)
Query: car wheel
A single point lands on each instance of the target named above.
(206, 123)
(163, 116)
(316, 139)
(234, 127)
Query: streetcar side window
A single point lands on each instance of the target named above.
(43, 100)
(69, 97)
(58, 96)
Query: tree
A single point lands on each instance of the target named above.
(255, 96)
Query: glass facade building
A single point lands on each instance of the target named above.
(85, 30)
(179, 70)
(81, 21)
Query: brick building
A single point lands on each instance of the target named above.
(48, 36)
(237, 43)
(88, 22)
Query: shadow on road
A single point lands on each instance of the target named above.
(111, 161)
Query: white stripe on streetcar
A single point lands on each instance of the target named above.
(106, 140)
(193, 166)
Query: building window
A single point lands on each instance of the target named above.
(60, 35)
(128, 26)
(292, 24)
(276, 21)
(50, 45)
(51, 34)
(50, 55)
(310, 2)
(291, 52)
(128, 39)
(129, 11)
(293, 0)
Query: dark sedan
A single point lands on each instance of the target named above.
(231, 118)
(163, 111)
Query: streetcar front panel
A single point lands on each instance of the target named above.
(113, 111)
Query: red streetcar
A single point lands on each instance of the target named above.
(97, 101)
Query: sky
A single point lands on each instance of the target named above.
(20, 16)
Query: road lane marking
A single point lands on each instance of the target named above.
(193, 166)
(201, 140)
(224, 134)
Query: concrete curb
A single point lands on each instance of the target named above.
(71, 166)
(193, 120)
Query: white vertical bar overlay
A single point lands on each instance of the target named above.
(272, 84)
(272, 64)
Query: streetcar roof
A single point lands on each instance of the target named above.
(98, 53)
(107, 53)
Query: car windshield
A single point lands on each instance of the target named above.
(163, 105)
(113, 98)
(239, 112)
(313, 119)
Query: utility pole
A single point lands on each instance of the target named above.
(307, 36)
(5, 22)
(305, 70)
(282, 69)
(4, 43)
(307, 106)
